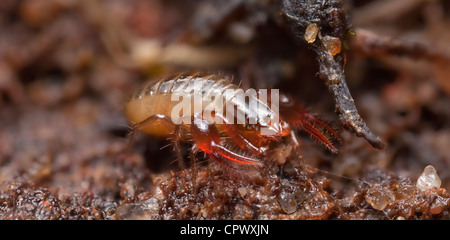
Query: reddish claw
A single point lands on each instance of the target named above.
(297, 117)
(206, 136)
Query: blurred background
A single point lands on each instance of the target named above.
(68, 67)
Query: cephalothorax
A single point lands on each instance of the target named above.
(234, 143)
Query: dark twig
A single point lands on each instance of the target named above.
(332, 22)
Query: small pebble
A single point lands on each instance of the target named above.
(331, 44)
(287, 199)
(242, 191)
(429, 179)
(379, 197)
(144, 210)
(311, 33)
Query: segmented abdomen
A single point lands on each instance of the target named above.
(155, 97)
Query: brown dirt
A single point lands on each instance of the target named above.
(67, 69)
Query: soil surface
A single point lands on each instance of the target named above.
(67, 68)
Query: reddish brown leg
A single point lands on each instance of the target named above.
(326, 127)
(206, 136)
(295, 142)
(176, 146)
(234, 133)
(194, 150)
(309, 126)
(295, 114)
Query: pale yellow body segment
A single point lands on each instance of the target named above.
(184, 95)
(142, 106)
(139, 109)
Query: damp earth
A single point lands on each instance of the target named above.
(68, 67)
